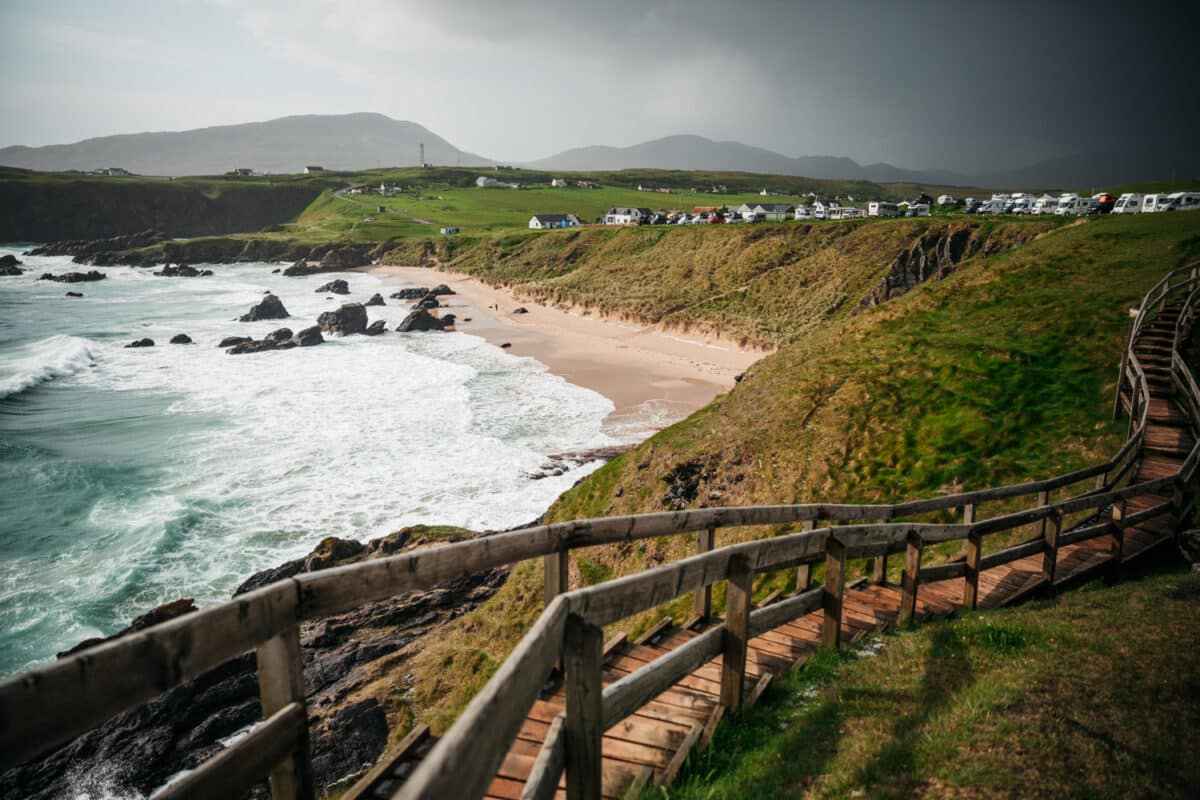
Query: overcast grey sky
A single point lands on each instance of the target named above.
(958, 85)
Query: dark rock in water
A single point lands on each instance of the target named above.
(275, 271)
(506, 345)
(74, 277)
(141, 343)
(281, 335)
(271, 307)
(521, 310)
(429, 301)
(181, 338)
(448, 321)
(9, 265)
(299, 268)
(376, 300)
(183, 271)
(167, 611)
(74, 294)
(415, 293)
(309, 337)
(421, 320)
(441, 289)
(376, 328)
(102, 251)
(230, 341)
(338, 286)
(343, 258)
(350, 318)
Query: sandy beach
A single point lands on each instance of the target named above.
(653, 377)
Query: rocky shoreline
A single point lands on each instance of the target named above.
(343, 656)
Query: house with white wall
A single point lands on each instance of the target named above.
(541, 222)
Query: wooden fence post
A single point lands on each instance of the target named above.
(281, 683)
(880, 571)
(702, 606)
(969, 514)
(582, 646)
(911, 577)
(831, 597)
(1118, 544)
(1050, 557)
(736, 635)
(558, 565)
(1043, 500)
(804, 571)
(971, 584)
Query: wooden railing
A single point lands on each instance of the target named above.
(48, 706)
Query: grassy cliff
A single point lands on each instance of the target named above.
(1001, 371)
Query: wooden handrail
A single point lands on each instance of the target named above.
(49, 705)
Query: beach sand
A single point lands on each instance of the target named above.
(652, 377)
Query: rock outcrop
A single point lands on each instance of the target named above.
(140, 343)
(11, 265)
(271, 307)
(183, 271)
(422, 320)
(337, 286)
(376, 300)
(375, 328)
(101, 251)
(74, 277)
(350, 318)
(181, 338)
(309, 337)
(281, 339)
(230, 341)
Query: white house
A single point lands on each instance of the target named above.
(626, 216)
(484, 182)
(558, 183)
(882, 208)
(539, 222)
(945, 200)
(311, 169)
(804, 211)
(844, 212)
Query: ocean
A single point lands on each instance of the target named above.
(132, 477)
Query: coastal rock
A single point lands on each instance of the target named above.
(74, 294)
(309, 337)
(279, 336)
(521, 310)
(343, 258)
(376, 300)
(376, 328)
(181, 338)
(183, 271)
(299, 268)
(230, 341)
(163, 613)
(338, 286)
(441, 289)
(422, 320)
(414, 293)
(74, 277)
(271, 307)
(506, 345)
(350, 318)
(429, 301)
(9, 265)
(101, 251)
(141, 343)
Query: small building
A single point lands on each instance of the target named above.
(309, 170)
(242, 171)
(484, 182)
(586, 184)
(558, 183)
(945, 200)
(844, 212)
(627, 216)
(822, 208)
(804, 211)
(449, 231)
(541, 222)
(381, 209)
(775, 212)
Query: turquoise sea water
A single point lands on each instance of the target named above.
(135, 476)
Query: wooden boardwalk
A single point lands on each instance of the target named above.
(650, 746)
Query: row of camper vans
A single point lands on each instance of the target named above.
(1133, 203)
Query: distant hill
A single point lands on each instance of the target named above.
(699, 153)
(288, 144)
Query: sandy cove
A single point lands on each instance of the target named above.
(653, 377)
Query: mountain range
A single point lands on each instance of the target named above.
(364, 140)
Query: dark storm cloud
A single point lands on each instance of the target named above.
(956, 85)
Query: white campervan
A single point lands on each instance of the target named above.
(1045, 204)
(1182, 201)
(1154, 202)
(1128, 203)
(882, 209)
(1069, 204)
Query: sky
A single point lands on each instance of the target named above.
(958, 85)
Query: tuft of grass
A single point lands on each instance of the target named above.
(1090, 695)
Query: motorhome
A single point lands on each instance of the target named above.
(1154, 202)
(1045, 204)
(1183, 201)
(1022, 203)
(1128, 203)
(1070, 204)
(882, 209)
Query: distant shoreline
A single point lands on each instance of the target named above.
(643, 371)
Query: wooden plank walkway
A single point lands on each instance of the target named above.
(650, 745)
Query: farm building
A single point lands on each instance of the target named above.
(627, 216)
(540, 222)
(775, 212)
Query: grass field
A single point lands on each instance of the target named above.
(1095, 694)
